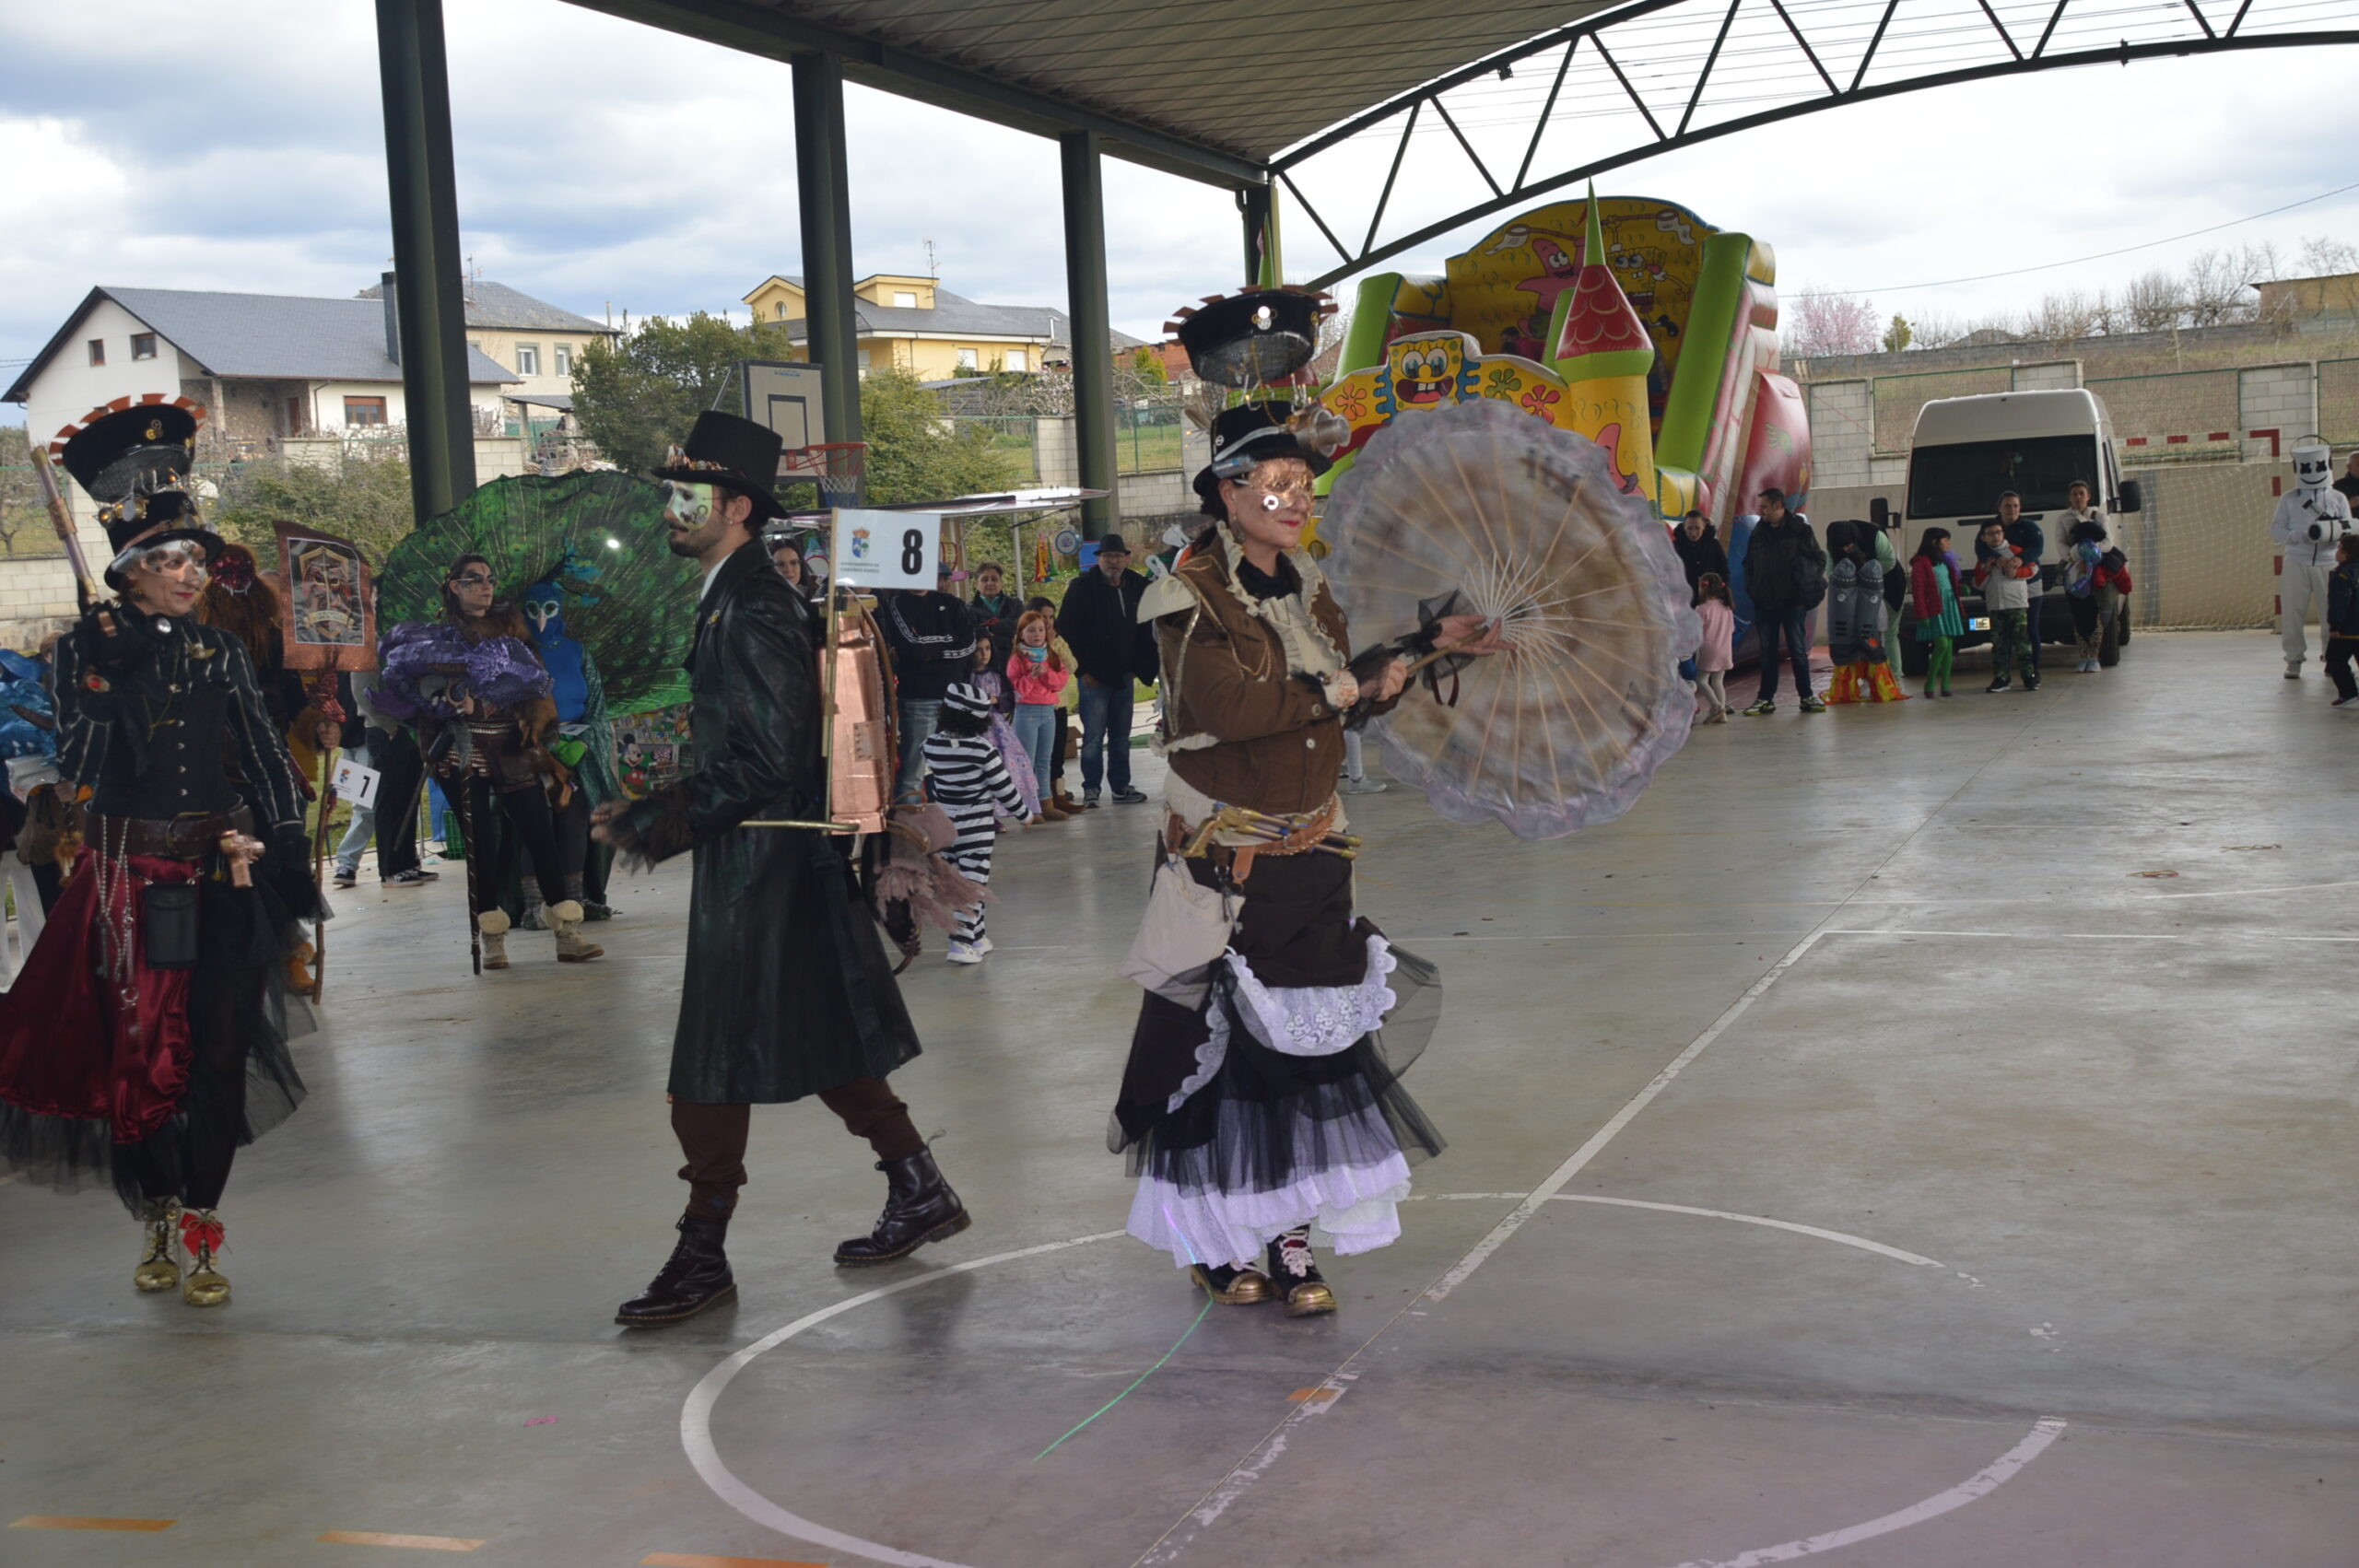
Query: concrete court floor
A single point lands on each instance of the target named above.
(2040, 1140)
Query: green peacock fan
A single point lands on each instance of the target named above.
(599, 536)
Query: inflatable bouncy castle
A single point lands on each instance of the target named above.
(1626, 319)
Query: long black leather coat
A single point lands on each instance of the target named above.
(787, 992)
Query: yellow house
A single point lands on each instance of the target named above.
(915, 324)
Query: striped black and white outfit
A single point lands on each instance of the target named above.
(970, 782)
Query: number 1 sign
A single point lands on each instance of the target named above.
(874, 549)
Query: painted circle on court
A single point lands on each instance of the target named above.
(696, 1414)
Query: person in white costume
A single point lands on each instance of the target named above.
(2310, 518)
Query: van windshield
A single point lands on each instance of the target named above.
(1965, 480)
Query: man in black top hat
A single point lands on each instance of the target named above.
(788, 994)
(1099, 623)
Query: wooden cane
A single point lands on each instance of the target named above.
(319, 864)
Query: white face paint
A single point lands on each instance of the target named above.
(2313, 466)
(687, 507)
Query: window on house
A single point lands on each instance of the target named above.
(1018, 360)
(905, 298)
(528, 358)
(143, 345)
(364, 411)
(565, 359)
(98, 351)
(966, 359)
(781, 310)
(863, 360)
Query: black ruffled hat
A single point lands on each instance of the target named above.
(1258, 338)
(726, 449)
(135, 459)
(1257, 432)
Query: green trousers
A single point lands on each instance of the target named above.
(1938, 659)
(2011, 643)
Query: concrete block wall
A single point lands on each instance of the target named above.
(1842, 432)
(2284, 398)
(2054, 375)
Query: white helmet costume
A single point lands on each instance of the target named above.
(2311, 518)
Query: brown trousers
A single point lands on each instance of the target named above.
(714, 1139)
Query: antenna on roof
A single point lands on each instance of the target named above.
(932, 268)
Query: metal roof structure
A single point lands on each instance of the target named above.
(1486, 107)
(276, 336)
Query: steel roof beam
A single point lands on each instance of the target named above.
(2121, 53)
(753, 29)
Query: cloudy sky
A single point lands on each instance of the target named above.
(239, 145)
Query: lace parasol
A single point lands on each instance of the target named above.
(1526, 523)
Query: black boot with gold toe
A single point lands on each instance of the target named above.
(1294, 1278)
(1232, 1285)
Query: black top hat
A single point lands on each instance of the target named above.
(1257, 338)
(134, 458)
(725, 449)
(1257, 432)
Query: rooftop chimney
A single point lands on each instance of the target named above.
(392, 318)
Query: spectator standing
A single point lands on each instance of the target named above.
(1717, 615)
(1785, 573)
(2348, 486)
(2030, 544)
(931, 639)
(1933, 585)
(1065, 736)
(992, 610)
(1100, 621)
(1038, 675)
(2005, 578)
(787, 557)
(2342, 620)
(1698, 544)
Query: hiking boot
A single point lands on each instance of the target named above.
(1762, 709)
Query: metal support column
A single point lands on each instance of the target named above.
(430, 296)
(830, 311)
(1093, 341)
(1258, 207)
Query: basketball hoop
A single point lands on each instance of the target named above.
(835, 465)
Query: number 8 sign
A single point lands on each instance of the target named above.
(878, 549)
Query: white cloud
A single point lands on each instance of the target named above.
(239, 145)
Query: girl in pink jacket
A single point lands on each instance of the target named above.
(1714, 654)
(1038, 677)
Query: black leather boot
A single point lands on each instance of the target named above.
(695, 1278)
(918, 1208)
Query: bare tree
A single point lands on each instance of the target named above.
(1822, 324)
(2153, 301)
(2066, 317)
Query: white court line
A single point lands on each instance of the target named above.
(696, 1417)
(1983, 1483)
(1843, 1237)
(2048, 936)
(1581, 1156)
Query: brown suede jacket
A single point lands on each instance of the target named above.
(1278, 745)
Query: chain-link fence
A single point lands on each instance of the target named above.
(1899, 398)
(2339, 400)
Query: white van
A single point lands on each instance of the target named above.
(1966, 451)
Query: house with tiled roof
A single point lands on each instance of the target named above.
(915, 324)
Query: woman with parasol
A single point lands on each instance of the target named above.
(1262, 1091)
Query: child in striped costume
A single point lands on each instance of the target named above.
(969, 781)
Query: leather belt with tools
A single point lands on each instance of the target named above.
(180, 838)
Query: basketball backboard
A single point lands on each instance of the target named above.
(784, 395)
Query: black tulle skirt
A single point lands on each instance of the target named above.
(1279, 1103)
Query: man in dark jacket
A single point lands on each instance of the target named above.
(2025, 535)
(931, 639)
(1785, 575)
(788, 993)
(1099, 623)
